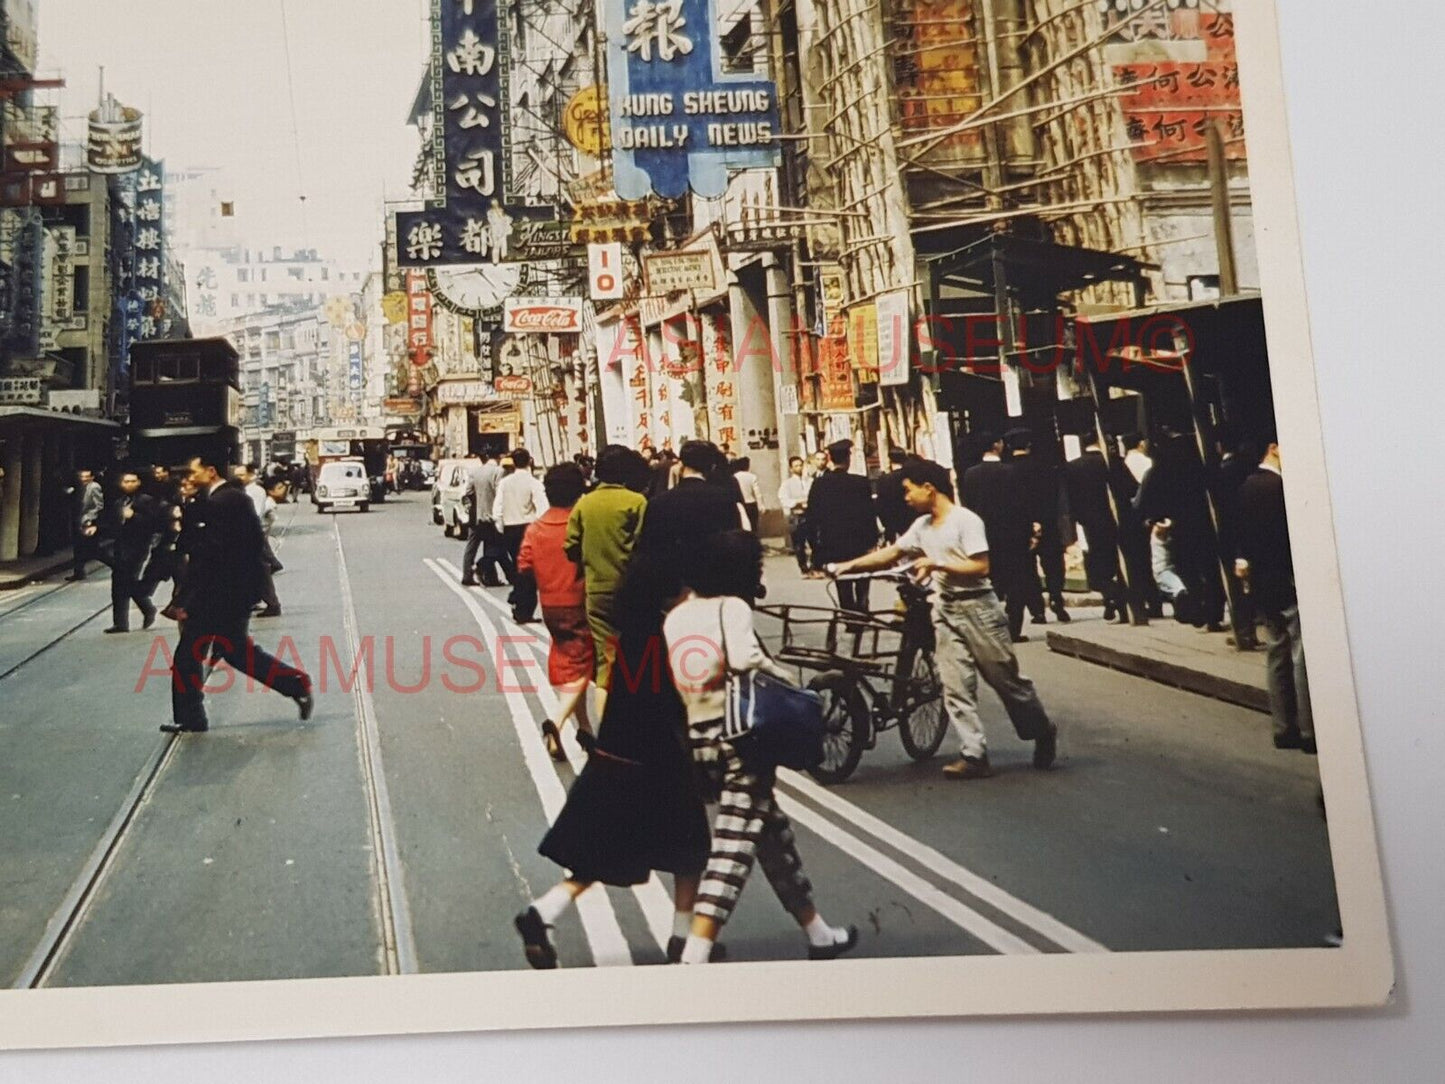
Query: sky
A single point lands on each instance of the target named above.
(211, 78)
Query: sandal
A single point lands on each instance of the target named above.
(552, 739)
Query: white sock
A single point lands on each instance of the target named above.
(698, 950)
(552, 903)
(681, 923)
(821, 934)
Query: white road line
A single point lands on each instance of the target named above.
(1041, 922)
(652, 895)
(398, 938)
(599, 920)
(960, 914)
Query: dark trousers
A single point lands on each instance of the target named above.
(486, 549)
(853, 595)
(1050, 555)
(523, 598)
(1101, 565)
(161, 566)
(85, 549)
(1015, 581)
(126, 586)
(799, 534)
(209, 636)
(755, 517)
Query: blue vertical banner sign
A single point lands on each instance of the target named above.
(473, 221)
(679, 120)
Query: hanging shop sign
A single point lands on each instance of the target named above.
(394, 307)
(115, 138)
(678, 121)
(863, 341)
(542, 315)
(832, 291)
(464, 392)
(894, 340)
(673, 272)
(478, 215)
(418, 316)
(604, 220)
(585, 122)
(354, 371)
(513, 387)
(150, 261)
(21, 281)
(604, 271)
(401, 408)
(835, 369)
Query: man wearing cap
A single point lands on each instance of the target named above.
(845, 523)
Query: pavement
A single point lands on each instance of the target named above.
(1173, 654)
(27, 570)
(397, 829)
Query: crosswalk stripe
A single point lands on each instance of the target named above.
(652, 896)
(599, 921)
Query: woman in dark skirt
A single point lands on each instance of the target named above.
(635, 807)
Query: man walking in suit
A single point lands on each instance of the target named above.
(486, 535)
(1087, 481)
(845, 522)
(134, 523)
(1265, 567)
(89, 504)
(893, 510)
(1035, 481)
(225, 555)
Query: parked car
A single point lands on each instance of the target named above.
(343, 484)
(452, 479)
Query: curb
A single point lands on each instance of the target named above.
(13, 581)
(1166, 673)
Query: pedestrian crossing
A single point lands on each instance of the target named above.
(964, 899)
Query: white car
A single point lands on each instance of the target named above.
(451, 489)
(343, 485)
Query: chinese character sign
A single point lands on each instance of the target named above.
(678, 121)
(418, 317)
(151, 321)
(472, 221)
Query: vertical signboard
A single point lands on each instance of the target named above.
(604, 271)
(894, 340)
(473, 220)
(678, 120)
(418, 318)
(150, 260)
(23, 340)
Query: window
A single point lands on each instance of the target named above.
(243, 275)
(325, 274)
(297, 273)
(235, 301)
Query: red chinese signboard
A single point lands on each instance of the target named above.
(418, 317)
(1171, 104)
(835, 368)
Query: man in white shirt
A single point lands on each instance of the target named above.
(949, 545)
(1136, 456)
(793, 496)
(483, 480)
(751, 493)
(520, 500)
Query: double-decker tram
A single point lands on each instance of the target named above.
(185, 400)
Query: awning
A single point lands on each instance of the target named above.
(1031, 267)
(31, 417)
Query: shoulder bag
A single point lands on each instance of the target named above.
(770, 720)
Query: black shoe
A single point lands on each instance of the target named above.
(1039, 619)
(116, 628)
(176, 728)
(1308, 748)
(149, 615)
(1288, 741)
(1109, 612)
(832, 952)
(75, 576)
(1018, 638)
(1045, 749)
(675, 945)
(536, 945)
(1061, 613)
(469, 583)
(270, 611)
(305, 705)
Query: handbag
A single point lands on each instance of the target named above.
(770, 720)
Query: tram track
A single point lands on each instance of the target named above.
(69, 916)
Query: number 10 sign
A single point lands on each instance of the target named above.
(604, 271)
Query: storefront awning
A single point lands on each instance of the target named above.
(1032, 267)
(31, 417)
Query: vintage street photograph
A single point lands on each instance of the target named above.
(634, 488)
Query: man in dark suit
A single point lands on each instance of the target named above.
(1087, 483)
(134, 524)
(679, 521)
(1035, 481)
(846, 523)
(165, 491)
(1265, 567)
(893, 510)
(990, 492)
(1237, 461)
(224, 547)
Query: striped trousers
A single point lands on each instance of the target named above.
(748, 824)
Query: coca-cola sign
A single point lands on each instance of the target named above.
(512, 385)
(542, 315)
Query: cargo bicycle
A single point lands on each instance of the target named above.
(873, 672)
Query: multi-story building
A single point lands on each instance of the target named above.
(224, 284)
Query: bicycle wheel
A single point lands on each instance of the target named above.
(925, 723)
(845, 717)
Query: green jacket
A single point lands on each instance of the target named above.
(601, 532)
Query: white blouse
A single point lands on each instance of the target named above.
(694, 630)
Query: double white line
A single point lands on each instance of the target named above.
(794, 787)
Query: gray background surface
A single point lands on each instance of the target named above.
(1365, 94)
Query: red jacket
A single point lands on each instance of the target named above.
(559, 581)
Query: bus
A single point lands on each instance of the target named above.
(185, 400)
(368, 444)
